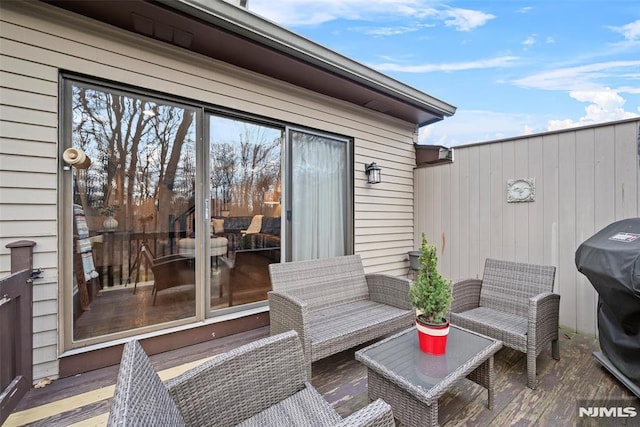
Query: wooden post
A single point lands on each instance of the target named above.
(21, 255)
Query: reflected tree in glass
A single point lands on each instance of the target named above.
(143, 174)
(245, 164)
(143, 156)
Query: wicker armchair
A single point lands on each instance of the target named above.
(258, 384)
(514, 303)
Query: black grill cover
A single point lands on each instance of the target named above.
(611, 261)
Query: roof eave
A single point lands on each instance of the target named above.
(253, 27)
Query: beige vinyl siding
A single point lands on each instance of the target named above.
(585, 179)
(28, 188)
(35, 50)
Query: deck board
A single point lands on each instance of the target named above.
(84, 400)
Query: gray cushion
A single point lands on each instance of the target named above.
(351, 324)
(307, 408)
(500, 325)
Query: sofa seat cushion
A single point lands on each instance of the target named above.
(500, 325)
(187, 246)
(305, 408)
(347, 325)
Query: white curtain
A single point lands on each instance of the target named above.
(319, 196)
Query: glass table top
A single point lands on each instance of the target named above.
(401, 356)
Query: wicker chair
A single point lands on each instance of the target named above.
(258, 384)
(171, 271)
(514, 303)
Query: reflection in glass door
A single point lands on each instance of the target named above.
(133, 212)
(245, 188)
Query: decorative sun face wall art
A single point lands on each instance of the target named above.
(521, 190)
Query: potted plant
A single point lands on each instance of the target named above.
(110, 223)
(430, 294)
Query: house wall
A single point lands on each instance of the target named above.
(38, 41)
(585, 179)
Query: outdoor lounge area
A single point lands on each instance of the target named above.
(164, 164)
(365, 374)
(576, 379)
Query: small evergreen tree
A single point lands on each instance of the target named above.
(430, 292)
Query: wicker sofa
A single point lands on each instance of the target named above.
(333, 305)
(233, 229)
(514, 303)
(259, 384)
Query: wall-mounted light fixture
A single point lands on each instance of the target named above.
(373, 173)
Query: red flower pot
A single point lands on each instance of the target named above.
(433, 338)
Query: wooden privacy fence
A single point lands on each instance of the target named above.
(16, 299)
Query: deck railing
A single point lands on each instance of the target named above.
(16, 319)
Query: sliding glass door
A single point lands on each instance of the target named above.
(173, 212)
(245, 186)
(320, 205)
(132, 211)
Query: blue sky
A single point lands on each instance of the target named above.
(510, 67)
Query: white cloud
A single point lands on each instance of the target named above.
(533, 39)
(465, 19)
(388, 31)
(501, 61)
(293, 13)
(561, 124)
(630, 31)
(468, 126)
(605, 105)
(525, 9)
(313, 12)
(634, 90)
(529, 41)
(583, 77)
(583, 83)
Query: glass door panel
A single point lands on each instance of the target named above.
(133, 213)
(245, 188)
(320, 196)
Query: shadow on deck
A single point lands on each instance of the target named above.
(563, 385)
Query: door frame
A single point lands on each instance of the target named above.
(288, 178)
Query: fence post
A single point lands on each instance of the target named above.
(21, 255)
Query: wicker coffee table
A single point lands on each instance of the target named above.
(412, 381)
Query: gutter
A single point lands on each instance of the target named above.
(430, 155)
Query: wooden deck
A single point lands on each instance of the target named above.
(84, 400)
